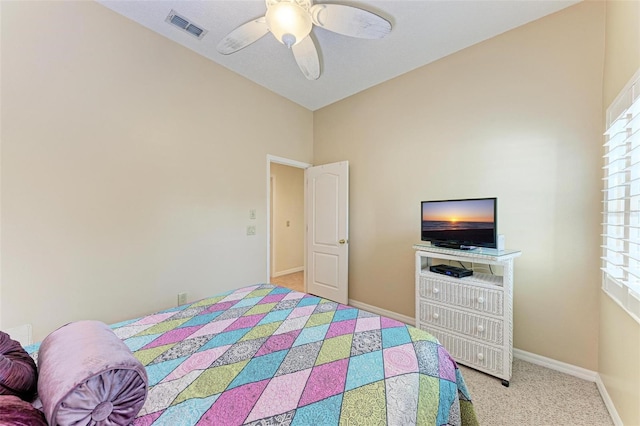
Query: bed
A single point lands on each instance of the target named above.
(267, 355)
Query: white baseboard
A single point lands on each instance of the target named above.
(389, 314)
(288, 271)
(608, 402)
(552, 364)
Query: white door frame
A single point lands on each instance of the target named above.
(286, 162)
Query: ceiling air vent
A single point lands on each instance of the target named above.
(185, 25)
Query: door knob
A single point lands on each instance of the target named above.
(342, 241)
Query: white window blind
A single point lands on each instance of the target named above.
(621, 212)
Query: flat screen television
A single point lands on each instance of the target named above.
(461, 224)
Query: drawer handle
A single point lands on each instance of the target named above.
(480, 356)
(436, 316)
(480, 328)
(480, 299)
(436, 291)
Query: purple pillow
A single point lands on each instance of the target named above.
(16, 412)
(18, 374)
(89, 376)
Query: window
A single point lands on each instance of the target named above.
(621, 212)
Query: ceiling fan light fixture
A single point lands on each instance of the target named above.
(291, 21)
(288, 22)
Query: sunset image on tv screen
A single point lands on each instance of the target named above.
(458, 215)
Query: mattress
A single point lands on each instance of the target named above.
(267, 355)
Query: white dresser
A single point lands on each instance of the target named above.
(471, 316)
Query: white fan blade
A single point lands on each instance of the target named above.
(350, 21)
(243, 36)
(306, 56)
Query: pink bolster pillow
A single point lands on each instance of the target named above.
(18, 374)
(87, 375)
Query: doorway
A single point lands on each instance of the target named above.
(286, 223)
(325, 225)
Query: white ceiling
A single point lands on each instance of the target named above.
(423, 31)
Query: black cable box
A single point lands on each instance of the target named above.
(452, 271)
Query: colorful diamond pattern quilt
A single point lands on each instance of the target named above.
(267, 355)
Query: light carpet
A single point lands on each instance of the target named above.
(536, 396)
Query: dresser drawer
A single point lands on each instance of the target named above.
(472, 354)
(482, 328)
(468, 296)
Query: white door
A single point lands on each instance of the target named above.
(327, 211)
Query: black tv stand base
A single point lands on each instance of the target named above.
(454, 246)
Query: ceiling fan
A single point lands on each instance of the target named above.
(291, 21)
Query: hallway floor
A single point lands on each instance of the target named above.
(293, 281)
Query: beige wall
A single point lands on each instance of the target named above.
(287, 219)
(517, 117)
(619, 353)
(129, 166)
